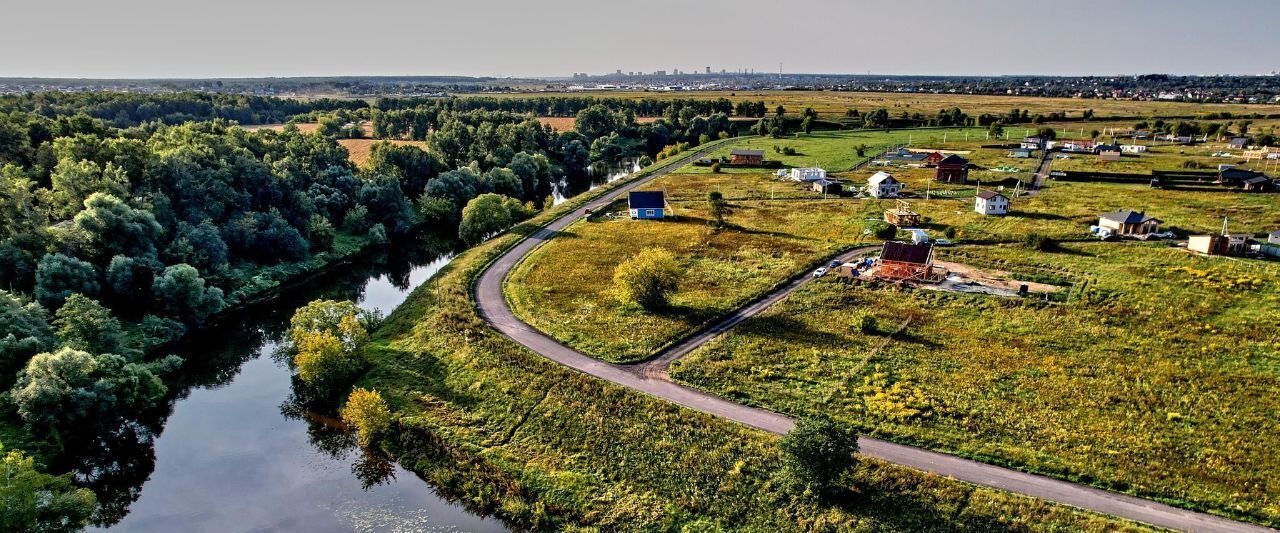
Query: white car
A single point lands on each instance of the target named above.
(820, 272)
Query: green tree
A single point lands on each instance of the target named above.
(368, 413)
(716, 206)
(24, 332)
(58, 276)
(817, 455)
(648, 279)
(180, 291)
(320, 233)
(996, 129)
(488, 214)
(1047, 133)
(84, 324)
(33, 501)
(69, 388)
(107, 227)
(326, 337)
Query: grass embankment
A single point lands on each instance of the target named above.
(1160, 381)
(509, 432)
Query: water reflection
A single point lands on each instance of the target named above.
(597, 174)
(234, 453)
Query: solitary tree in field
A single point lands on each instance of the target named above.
(648, 279)
(817, 455)
(717, 207)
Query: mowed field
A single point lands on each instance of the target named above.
(835, 103)
(358, 150)
(1159, 377)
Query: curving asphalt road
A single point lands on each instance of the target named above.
(650, 378)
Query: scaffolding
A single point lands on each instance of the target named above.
(902, 215)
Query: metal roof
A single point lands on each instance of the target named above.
(905, 252)
(747, 152)
(1127, 217)
(646, 200)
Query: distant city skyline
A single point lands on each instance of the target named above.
(286, 38)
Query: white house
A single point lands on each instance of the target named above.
(991, 203)
(883, 185)
(1032, 143)
(808, 174)
(1132, 148)
(1274, 237)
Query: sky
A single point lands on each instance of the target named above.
(263, 38)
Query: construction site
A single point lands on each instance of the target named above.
(915, 265)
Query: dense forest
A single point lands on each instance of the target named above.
(115, 242)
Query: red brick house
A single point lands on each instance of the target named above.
(952, 169)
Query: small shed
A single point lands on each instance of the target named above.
(952, 169)
(1238, 143)
(883, 185)
(1020, 153)
(991, 203)
(826, 186)
(932, 159)
(1273, 237)
(647, 204)
(1258, 183)
(746, 157)
(1109, 155)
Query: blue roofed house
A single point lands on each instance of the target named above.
(647, 204)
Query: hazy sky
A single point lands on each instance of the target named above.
(224, 38)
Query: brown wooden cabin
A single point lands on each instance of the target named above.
(900, 261)
(746, 157)
(952, 169)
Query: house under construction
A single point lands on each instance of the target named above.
(902, 215)
(901, 261)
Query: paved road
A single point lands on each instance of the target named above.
(648, 378)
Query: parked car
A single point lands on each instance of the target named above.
(833, 264)
(820, 272)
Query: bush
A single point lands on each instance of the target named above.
(715, 168)
(648, 279)
(368, 413)
(885, 231)
(817, 455)
(868, 325)
(1037, 241)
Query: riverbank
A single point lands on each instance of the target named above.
(546, 447)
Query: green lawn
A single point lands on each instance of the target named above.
(1159, 378)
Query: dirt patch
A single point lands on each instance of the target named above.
(358, 150)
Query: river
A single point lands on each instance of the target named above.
(233, 455)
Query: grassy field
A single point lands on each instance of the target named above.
(506, 431)
(562, 288)
(835, 103)
(779, 228)
(1158, 378)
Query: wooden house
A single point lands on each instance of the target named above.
(902, 215)
(900, 261)
(746, 157)
(952, 169)
(647, 204)
(932, 159)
